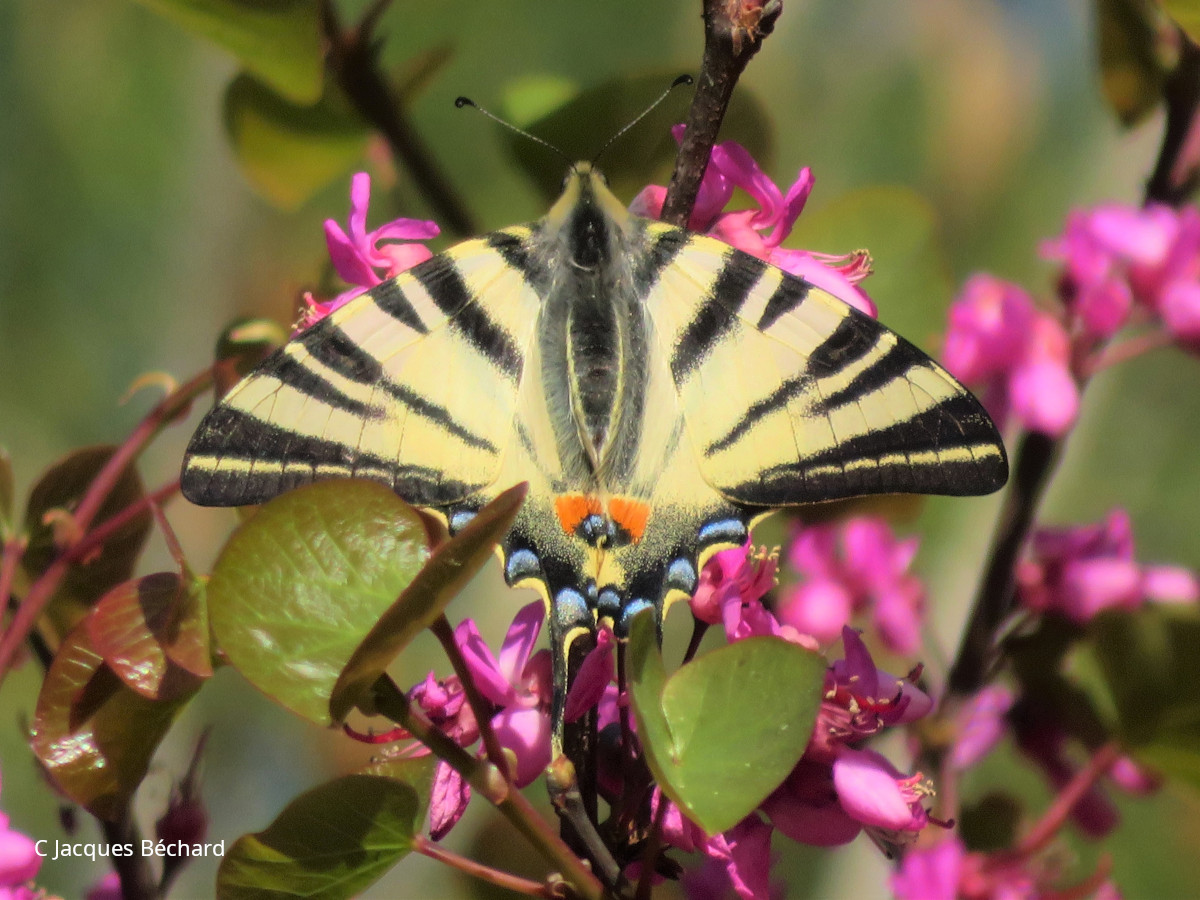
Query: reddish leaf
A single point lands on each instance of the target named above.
(93, 734)
(146, 630)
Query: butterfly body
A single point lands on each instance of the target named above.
(658, 389)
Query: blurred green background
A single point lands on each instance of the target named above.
(947, 136)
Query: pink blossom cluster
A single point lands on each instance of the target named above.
(1119, 260)
(364, 258)
(998, 338)
(1081, 571)
(854, 567)
(945, 870)
(760, 232)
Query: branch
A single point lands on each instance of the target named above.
(1175, 175)
(353, 60)
(733, 32)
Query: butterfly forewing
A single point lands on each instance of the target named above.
(413, 383)
(791, 396)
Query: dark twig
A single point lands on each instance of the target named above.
(1178, 167)
(733, 33)
(353, 59)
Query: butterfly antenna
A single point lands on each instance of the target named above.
(467, 101)
(682, 79)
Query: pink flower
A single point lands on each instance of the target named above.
(732, 585)
(930, 873)
(594, 677)
(980, 725)
(19, 861)
(519, 683)
(1114, 254)
(852, 568)
(760, 232)
(366, 258)
(861, 700)
(1079, 572)
(107, 888)
(997, 337)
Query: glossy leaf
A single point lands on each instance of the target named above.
(153, 634)
(279, 41)
(61, 488)
(451, 566)
(725, 729)
(644, 154)
(331, 842)
(93, 734)
(1131, 69)
(288, 151)
(298, 586)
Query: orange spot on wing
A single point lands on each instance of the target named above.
(630, 514)
(573, 509)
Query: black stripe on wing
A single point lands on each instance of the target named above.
(716, 315)
(441, 278)
(788, 296)
(235, 459)
(963, 457)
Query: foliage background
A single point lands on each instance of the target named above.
(947, 136)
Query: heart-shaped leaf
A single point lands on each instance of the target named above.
(450, 567)
(298, 587)
(93, 734)
(329, 843)
(724, 730)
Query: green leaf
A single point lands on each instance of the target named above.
(724, 730)
(643, 155)
(61, 488)
(279, 41)
(153, 634)
(288, 151)
(298, 587)
(93, 734)
(1152, 673)
(1131, 65)
(448, 570)
(330, 842)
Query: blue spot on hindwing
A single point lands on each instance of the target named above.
(632, 608)
(522, 564)
(723, 531)
(681, 575)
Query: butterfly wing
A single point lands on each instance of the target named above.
(413, 384)
(791, 396)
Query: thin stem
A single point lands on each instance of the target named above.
(1126, 350)
(485, 779)
(137, 879)
(1175, 173)
(10, 558)
(733, 33)
(434, 850)
(354, 62)
(1052, 821)
(479, 706)
(93, 499)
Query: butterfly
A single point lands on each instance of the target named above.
(658, 389)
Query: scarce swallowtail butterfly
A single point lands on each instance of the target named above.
(658, 389)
